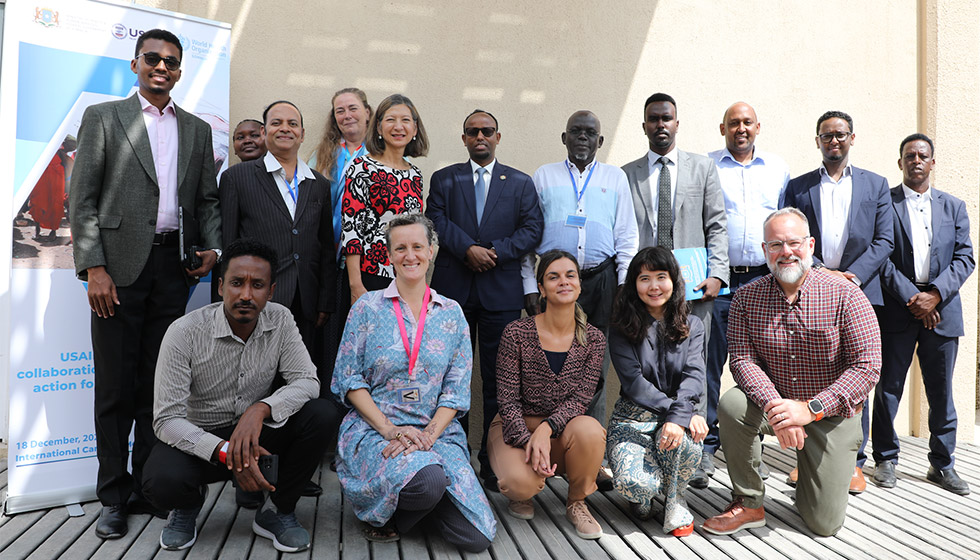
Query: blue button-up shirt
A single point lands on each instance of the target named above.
(752, 192)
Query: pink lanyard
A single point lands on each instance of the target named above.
(411, 351)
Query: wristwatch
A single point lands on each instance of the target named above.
(816, 407)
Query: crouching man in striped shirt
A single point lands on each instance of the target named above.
(217, 410)
(805, 352)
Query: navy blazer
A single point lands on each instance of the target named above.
(252, 206)
(512, 223)
(671, 385)
(869, 224)
(950, 264)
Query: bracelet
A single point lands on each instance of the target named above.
(223, 453)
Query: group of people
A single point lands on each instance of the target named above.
(327, 318)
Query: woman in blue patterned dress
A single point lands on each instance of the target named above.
(404, 367)
(657, 427)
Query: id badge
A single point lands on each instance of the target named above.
(409, 395)
(575, 220)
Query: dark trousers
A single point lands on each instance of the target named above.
(332, 333)
(488, 326)
(125, 348)
(173, 479)
(717, 353)
(937, 356)
(425, 496)
(599, 285)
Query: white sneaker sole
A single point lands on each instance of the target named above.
(260, 531)
(188, 544)
(749, 525)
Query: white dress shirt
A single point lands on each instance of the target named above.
(273, 166)
(920, 224)
(655, 168)
(835, 206)
(161, 128)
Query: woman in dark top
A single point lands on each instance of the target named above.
(657, 426)
(547, 369)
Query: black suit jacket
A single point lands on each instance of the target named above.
(252, 206)
(512, 223)
(869, 224)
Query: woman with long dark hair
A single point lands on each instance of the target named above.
(657, 426)
(547, 369)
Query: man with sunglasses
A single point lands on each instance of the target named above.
(850, 213)
(487, 217)
(805, 352)
(139, 160)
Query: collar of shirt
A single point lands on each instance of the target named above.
(489, 167)
(222, 329)
(800, 294)
(652, 158)
(272, 165)
(574, 168)
(391, 292)
(848, 171)
(758, 157)
(148, 107)
(912, 195)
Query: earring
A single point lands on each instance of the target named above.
(413, 139)
(379, 137)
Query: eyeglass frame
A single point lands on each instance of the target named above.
(171, 62)
(767, 245)
(833, 135)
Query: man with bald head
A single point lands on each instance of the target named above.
(753, 182)
(588, 212)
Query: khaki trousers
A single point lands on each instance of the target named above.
(577, 452)
(826, 461)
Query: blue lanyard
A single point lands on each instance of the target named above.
(293, 186)
(578, 195)
(348, 157)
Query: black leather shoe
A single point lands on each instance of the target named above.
(311, 490)
(885, 474)
(112, 522)
(948, 480)
(707, 464)
(248, 500)
(699, 480)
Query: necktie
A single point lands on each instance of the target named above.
(481, 194)
(665, 214)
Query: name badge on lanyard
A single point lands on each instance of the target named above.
(578, 220)
(411, 394)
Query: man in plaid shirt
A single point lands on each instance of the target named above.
(805, 352)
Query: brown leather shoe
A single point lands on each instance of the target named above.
(735, 518)
(521, 509)
(858, 484)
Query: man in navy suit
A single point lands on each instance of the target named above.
(487, 216)
(850, 216)
(933, 257)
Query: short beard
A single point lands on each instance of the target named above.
(791, 275)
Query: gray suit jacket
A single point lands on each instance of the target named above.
(699, 208)
(114, 192)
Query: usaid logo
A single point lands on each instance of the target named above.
(120, 31)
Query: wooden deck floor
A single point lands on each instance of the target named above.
(914, 520)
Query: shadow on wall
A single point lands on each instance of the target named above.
(528, 63)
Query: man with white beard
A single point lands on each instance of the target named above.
(805, 352)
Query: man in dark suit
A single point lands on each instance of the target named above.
(487, 217)
(850, 216)
(278, 199)
(138, 161)
(694, 216)
(932, 259)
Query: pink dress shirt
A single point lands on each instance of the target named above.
(161, 127)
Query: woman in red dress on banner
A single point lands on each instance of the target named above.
(379, 186)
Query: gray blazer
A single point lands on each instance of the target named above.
(114, 192)
(665, 378)
(699, 208)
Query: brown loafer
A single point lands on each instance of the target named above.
(858, 484)
(735, 518)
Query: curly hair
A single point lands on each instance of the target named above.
(630, 315)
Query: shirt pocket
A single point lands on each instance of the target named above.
(822, 344)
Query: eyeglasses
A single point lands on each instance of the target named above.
(793, 244)
(828, 137)
(473, 131)
(153, 59)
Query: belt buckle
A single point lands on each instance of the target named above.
(740, 269)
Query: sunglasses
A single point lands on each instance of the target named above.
(473, 131)
(153, 59)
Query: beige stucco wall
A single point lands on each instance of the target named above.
(532, 64)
